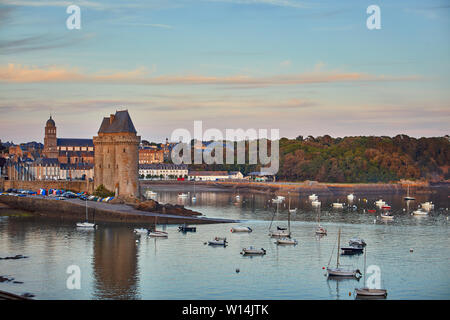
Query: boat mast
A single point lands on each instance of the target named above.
(338, 248)
(86, 212)
(365, 252)
(289, 222)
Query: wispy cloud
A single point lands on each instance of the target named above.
(40, 42)
(14, 73)
(278, 3)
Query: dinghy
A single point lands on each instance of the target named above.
(338, 205)
(286, 241)
(218, 242)
(158, 234)
(387, 216)
(185, 228)
(241, 229)
(253, 251)
(350, 197)
(141, 230)
(420, 213)
(357, 241)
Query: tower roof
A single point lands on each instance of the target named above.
(120, 122)
(50, 122)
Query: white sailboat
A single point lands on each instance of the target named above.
(420, 212)
(338, 205)
(341, 271)
(286, 239)
(194, 198)
(366, 291)
(407, 195)
(320, 230)
(313, 197)
(280, 232)
(156, 233)
(86, 224)
(316, 203)
(351, 197)
(291, 210)
(253, 251)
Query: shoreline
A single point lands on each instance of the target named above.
(294, 188)
(75, 209)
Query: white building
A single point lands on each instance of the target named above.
(164, 170)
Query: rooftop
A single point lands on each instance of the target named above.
(117, 123)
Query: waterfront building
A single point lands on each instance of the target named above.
(149, 155)
(163, 170)
(116, 155)
(209, 175)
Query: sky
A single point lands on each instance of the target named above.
(303, 67)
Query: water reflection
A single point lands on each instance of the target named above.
(115, 264)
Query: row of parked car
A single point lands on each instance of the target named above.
(56, 194)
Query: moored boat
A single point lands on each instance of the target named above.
(286, 241)
(241, 229)
(253, 251)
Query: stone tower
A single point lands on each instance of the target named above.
(50, 141)
(117, 156)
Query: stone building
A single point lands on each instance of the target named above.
(116, 155)
(148, 155)
(72, 151)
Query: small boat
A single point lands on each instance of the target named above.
(338, 205)
(380, 203)
(369, 292)
(150, 194)
(420, 213)
(241, 229)
(366, 292)
(316, 203)
(182, 195)
(158, 234)
(185, 228)
(428, 206)
(408, 197)
(352, 249)
(357, 241)
(253, 251)
(218, 242)
(321, 230)
(387, 216)
(340, 271)
(286, 241)
(141, 230)
(291, 210)
(313, 197)
(86, 224)
(278, 199)
(351, 196)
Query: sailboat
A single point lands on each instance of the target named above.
(280, 232)
(194, 198)
(291, 210)
(86, 224)
(286, 239)
(156, 233)
(407, 195)
(320, 230)
(339, 271)
(366, 291)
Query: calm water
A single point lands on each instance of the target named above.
(115, 266)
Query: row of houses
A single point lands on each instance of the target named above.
(168, 171)
(52, 169)
(48, 169)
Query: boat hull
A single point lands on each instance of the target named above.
(371, 292)
(338, 272)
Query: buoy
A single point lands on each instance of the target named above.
(411, 250)
(349, 293)
(237, 270)
(323, 268)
